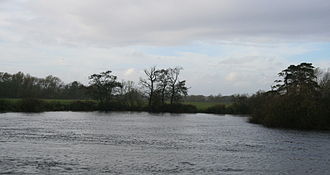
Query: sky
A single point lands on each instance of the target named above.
(224, 46)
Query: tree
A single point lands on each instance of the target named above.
(130, 95)
(5, 89)
(51, 86)
(17, 81)
(74, 90)
(177, 88)
(180, 91)
(295, 102)
(149, 83)
(298, 80)
(30, 88)
(103, 86)
(325, 80)
(163, 81)
(325, 84)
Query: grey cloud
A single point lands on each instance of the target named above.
(73, 39)
(168, 22)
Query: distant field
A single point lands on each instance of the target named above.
(202, 105)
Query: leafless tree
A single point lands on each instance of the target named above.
(149, 82)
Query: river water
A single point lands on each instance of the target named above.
(142, 143)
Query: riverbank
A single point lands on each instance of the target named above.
(43, 105)
(246, 109)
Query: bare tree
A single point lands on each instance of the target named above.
(149, 82)
(163, 82)
(173, 80)
(130, 94)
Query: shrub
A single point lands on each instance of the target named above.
(83, 105)
(217, 109)
(6, 105)
(56, 106)
(31, 105)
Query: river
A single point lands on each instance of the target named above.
(143, 143)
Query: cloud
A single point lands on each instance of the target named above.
(237, 69)
(105, 23)
(129, 72)
(231, 76)
(227, 46)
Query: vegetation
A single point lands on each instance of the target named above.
(298, 100)
(164, 85)
(209, 99)
(22, 85)
(103, 86)
(39, 105)
(202, 106)
(24, 93)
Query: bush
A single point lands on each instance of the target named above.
(297, 112)
(56, 106)
(83, 105)
(112, 106)
(6, 105)
(31, 105)
(217, 109)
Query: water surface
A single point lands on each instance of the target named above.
(142, 143)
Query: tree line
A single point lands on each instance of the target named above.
(299, 99)
(156, 90)
(22, 85)
(160, 89)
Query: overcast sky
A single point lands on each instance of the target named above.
(224, 46)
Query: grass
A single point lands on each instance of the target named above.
(62, 101)
(203, 105)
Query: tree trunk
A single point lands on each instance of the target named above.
(172, 95)
(163, 94)
(151, 93)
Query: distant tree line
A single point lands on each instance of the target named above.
(161, 91)
(234, 104)
(300, 99)
(211, 98)
(22, 85)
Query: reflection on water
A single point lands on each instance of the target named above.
(142, 143)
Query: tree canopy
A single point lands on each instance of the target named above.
(298, 80)
(104, 85)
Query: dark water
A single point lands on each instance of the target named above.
(141, 143)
